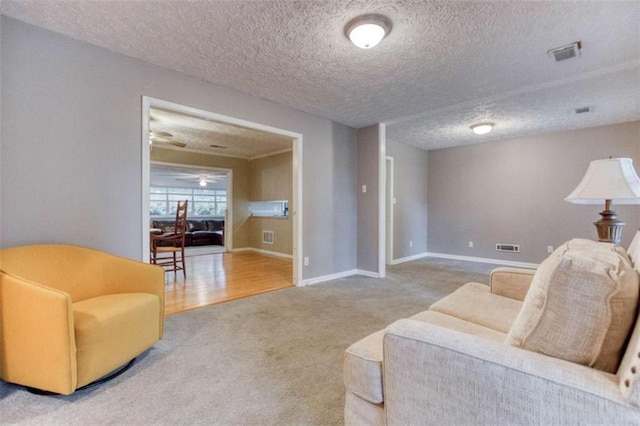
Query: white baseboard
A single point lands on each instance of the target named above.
(484, 260)
(367, 273)
(323, 278)
(261, 251)
(409, 258)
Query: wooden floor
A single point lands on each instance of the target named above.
(216, 278)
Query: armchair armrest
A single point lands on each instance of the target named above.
(511, 282)
(34, 317)
(122, 275)
(437, 375)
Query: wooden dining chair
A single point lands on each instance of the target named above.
(167, 250)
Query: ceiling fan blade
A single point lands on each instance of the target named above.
(160, 135)
(168, 142)
(178, 144)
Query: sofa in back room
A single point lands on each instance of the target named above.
(199, 232)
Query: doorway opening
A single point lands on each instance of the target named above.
(209, 146)
(209, 199)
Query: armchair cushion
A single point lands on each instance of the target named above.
(110, 328)
(581, 305)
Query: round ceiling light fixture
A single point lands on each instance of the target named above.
(482, 128)
(366, 31)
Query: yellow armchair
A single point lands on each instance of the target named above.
(70, 315)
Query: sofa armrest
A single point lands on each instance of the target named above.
(511, 282)
(434, 375)
(37, 340)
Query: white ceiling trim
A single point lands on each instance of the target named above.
(271, 154)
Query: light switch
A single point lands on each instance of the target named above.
(364, 188)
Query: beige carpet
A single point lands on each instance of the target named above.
(272, 359)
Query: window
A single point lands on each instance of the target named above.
(202, 202)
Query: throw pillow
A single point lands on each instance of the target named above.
(581, 305)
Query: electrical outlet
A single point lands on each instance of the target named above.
(470, 244)
(549, 249)
(306, 261)
(410, 243)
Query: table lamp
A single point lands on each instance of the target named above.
(612, 179)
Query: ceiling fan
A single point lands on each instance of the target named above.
(164, 138)
(204, 179)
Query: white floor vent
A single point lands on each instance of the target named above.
(511, 248)
(267, 237)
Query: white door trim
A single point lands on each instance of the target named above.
(382, 195)
(296, 207)
(390, 205)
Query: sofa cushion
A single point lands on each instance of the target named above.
(634, 252)
(581, 305)
(474, 302)
(164, 225)
(453, 323)
(196, 225)
(101, 346)
(363, 368)
(214, 225)
(363, 359)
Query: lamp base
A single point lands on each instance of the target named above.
(609, 228)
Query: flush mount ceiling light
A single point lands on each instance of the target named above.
(482, 128)
(366, 31)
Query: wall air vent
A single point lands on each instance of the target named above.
(566, 52)
(267, 237)
(511, 248)
(582, 110)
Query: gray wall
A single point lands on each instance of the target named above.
(368, 170)
(410, 191)
(513, 192)
(71, 159)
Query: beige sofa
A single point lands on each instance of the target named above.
(451, 365)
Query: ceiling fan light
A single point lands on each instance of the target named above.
(367, 31)
(203, 183)
(482, 128)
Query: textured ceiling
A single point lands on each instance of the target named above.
(444, 65)
(199, 134)
(186, 177)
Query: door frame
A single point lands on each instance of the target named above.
(297, 197)
(390, 207)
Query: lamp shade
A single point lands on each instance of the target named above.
(610, 179)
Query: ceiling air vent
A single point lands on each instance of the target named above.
(566, 52)
(582, 110)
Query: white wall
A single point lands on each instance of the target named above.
(71, 163)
